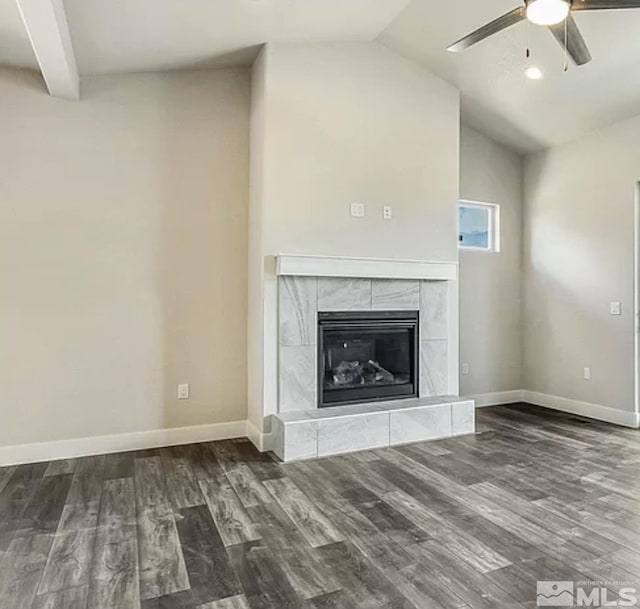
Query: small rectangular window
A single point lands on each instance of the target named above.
(479, 226)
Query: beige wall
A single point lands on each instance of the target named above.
(577, 256)
(122, 254)
(579, 234)
(338, 123)
(490, 282)
(354, 122)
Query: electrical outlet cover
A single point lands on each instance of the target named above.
(357, 210)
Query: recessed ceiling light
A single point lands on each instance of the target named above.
(533, 73)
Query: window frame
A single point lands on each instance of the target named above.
(493, 228)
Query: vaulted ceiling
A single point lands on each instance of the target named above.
(15, 48)
(141, 35)
(497, 97)
(117, 36)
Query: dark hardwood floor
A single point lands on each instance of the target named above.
(469, 522)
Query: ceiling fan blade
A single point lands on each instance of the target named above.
(576, 46)
(603, 5)
(499, 24)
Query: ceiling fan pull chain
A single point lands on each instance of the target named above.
(528, 40)
(566, 44)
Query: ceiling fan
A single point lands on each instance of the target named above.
(556, 15)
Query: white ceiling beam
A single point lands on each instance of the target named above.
(46, 25)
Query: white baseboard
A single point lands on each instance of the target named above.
(496, 398)
(584, 409)
(262, 441)
(140, 440)
(625, 418)
(82, 447)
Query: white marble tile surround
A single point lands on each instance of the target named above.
(344, 429)
(300, 299)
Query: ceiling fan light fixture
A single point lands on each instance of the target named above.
(547, 12)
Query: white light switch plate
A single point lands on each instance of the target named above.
(465, 368)
(183, 391)
(357, 210)
(616, 308)
(587, 374)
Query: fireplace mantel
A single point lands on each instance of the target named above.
(367, 268)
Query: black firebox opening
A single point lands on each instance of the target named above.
(367, 356)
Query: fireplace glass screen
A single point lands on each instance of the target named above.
(367, 356)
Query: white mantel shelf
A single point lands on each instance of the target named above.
(373, 268)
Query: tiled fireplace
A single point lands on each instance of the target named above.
(367, 355)
(303, 299)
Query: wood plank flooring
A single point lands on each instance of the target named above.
(461, 523)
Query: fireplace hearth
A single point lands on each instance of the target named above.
(367, 356)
